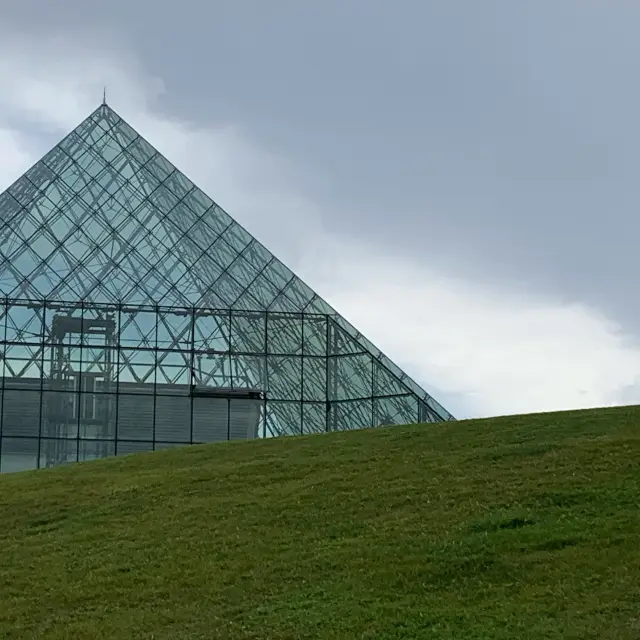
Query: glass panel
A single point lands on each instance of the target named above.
(123, 133)
(135, 417)
(259, 295)
(18, 454)
(340, 342)
(173, 372)
(212, 333)
(397, 410)
(164, 200)
(61, 411)
(315, 335)
(385, 384)
(210, 419)
(136, 370)
(109, 147)
(237, 237)
(299, 293)
(9, 207)
(256, 255)
(285, 377)
(21, 413)
(242, 272)
(278, 274)
(284, 418)
(282, 303)
(214, 370)
(350, 377)
(140, 151)
(355, 414)
(314, 376)
(173, 419)
(95, 449)
(57, 452)
(318, 305)
(160, 167)
(216, 219)
(98, 416)
(179, 184)
(198, 202)
(284, 334)
(248, 332)
(250, 372)
(314, 417)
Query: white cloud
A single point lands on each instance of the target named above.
(499, 351)
(14, 158)
(507, 353)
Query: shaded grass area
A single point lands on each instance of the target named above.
(518, 527)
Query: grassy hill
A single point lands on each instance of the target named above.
(519, 527)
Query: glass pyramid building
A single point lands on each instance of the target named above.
(137, 315)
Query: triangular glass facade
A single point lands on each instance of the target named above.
(127, 289)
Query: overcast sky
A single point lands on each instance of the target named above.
(457, 177)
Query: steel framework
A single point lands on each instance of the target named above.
(121, 277)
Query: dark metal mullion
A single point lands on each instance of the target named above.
(118, 350)
(7, 306)
(374, 389)
(116, 400)
(41, 416)
(326, 355)
(81, 390)
(192, 375)
(393, 395)
(302, 375)
(265, 346)
(155, 385)
(167, 349)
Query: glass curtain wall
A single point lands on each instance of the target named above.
(85, 381)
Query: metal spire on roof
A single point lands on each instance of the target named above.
(104, 95)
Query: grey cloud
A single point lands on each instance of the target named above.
(493, 137)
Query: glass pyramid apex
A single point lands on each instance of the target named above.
(104, 218)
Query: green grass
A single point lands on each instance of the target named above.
(514, 528)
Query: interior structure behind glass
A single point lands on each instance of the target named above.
(85, 381)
